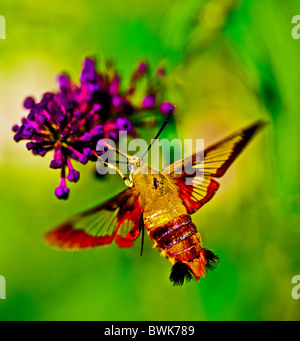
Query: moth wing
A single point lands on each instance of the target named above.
(119, 219)
(195, 175)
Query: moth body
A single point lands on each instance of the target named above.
(161, 203)
(167, 221)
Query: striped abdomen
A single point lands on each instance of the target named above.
(179, 241)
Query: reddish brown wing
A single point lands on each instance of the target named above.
(196, 184)
(120, 218)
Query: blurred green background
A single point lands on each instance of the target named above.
(228, 63)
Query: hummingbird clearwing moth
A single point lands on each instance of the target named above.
(161, 203)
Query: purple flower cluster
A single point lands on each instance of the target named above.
(72, 120)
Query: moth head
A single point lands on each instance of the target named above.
(136, 165)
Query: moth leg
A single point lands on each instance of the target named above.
(127, 156)
(113, 166)
(123, 176)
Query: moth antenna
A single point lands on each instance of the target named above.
(160, 130)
